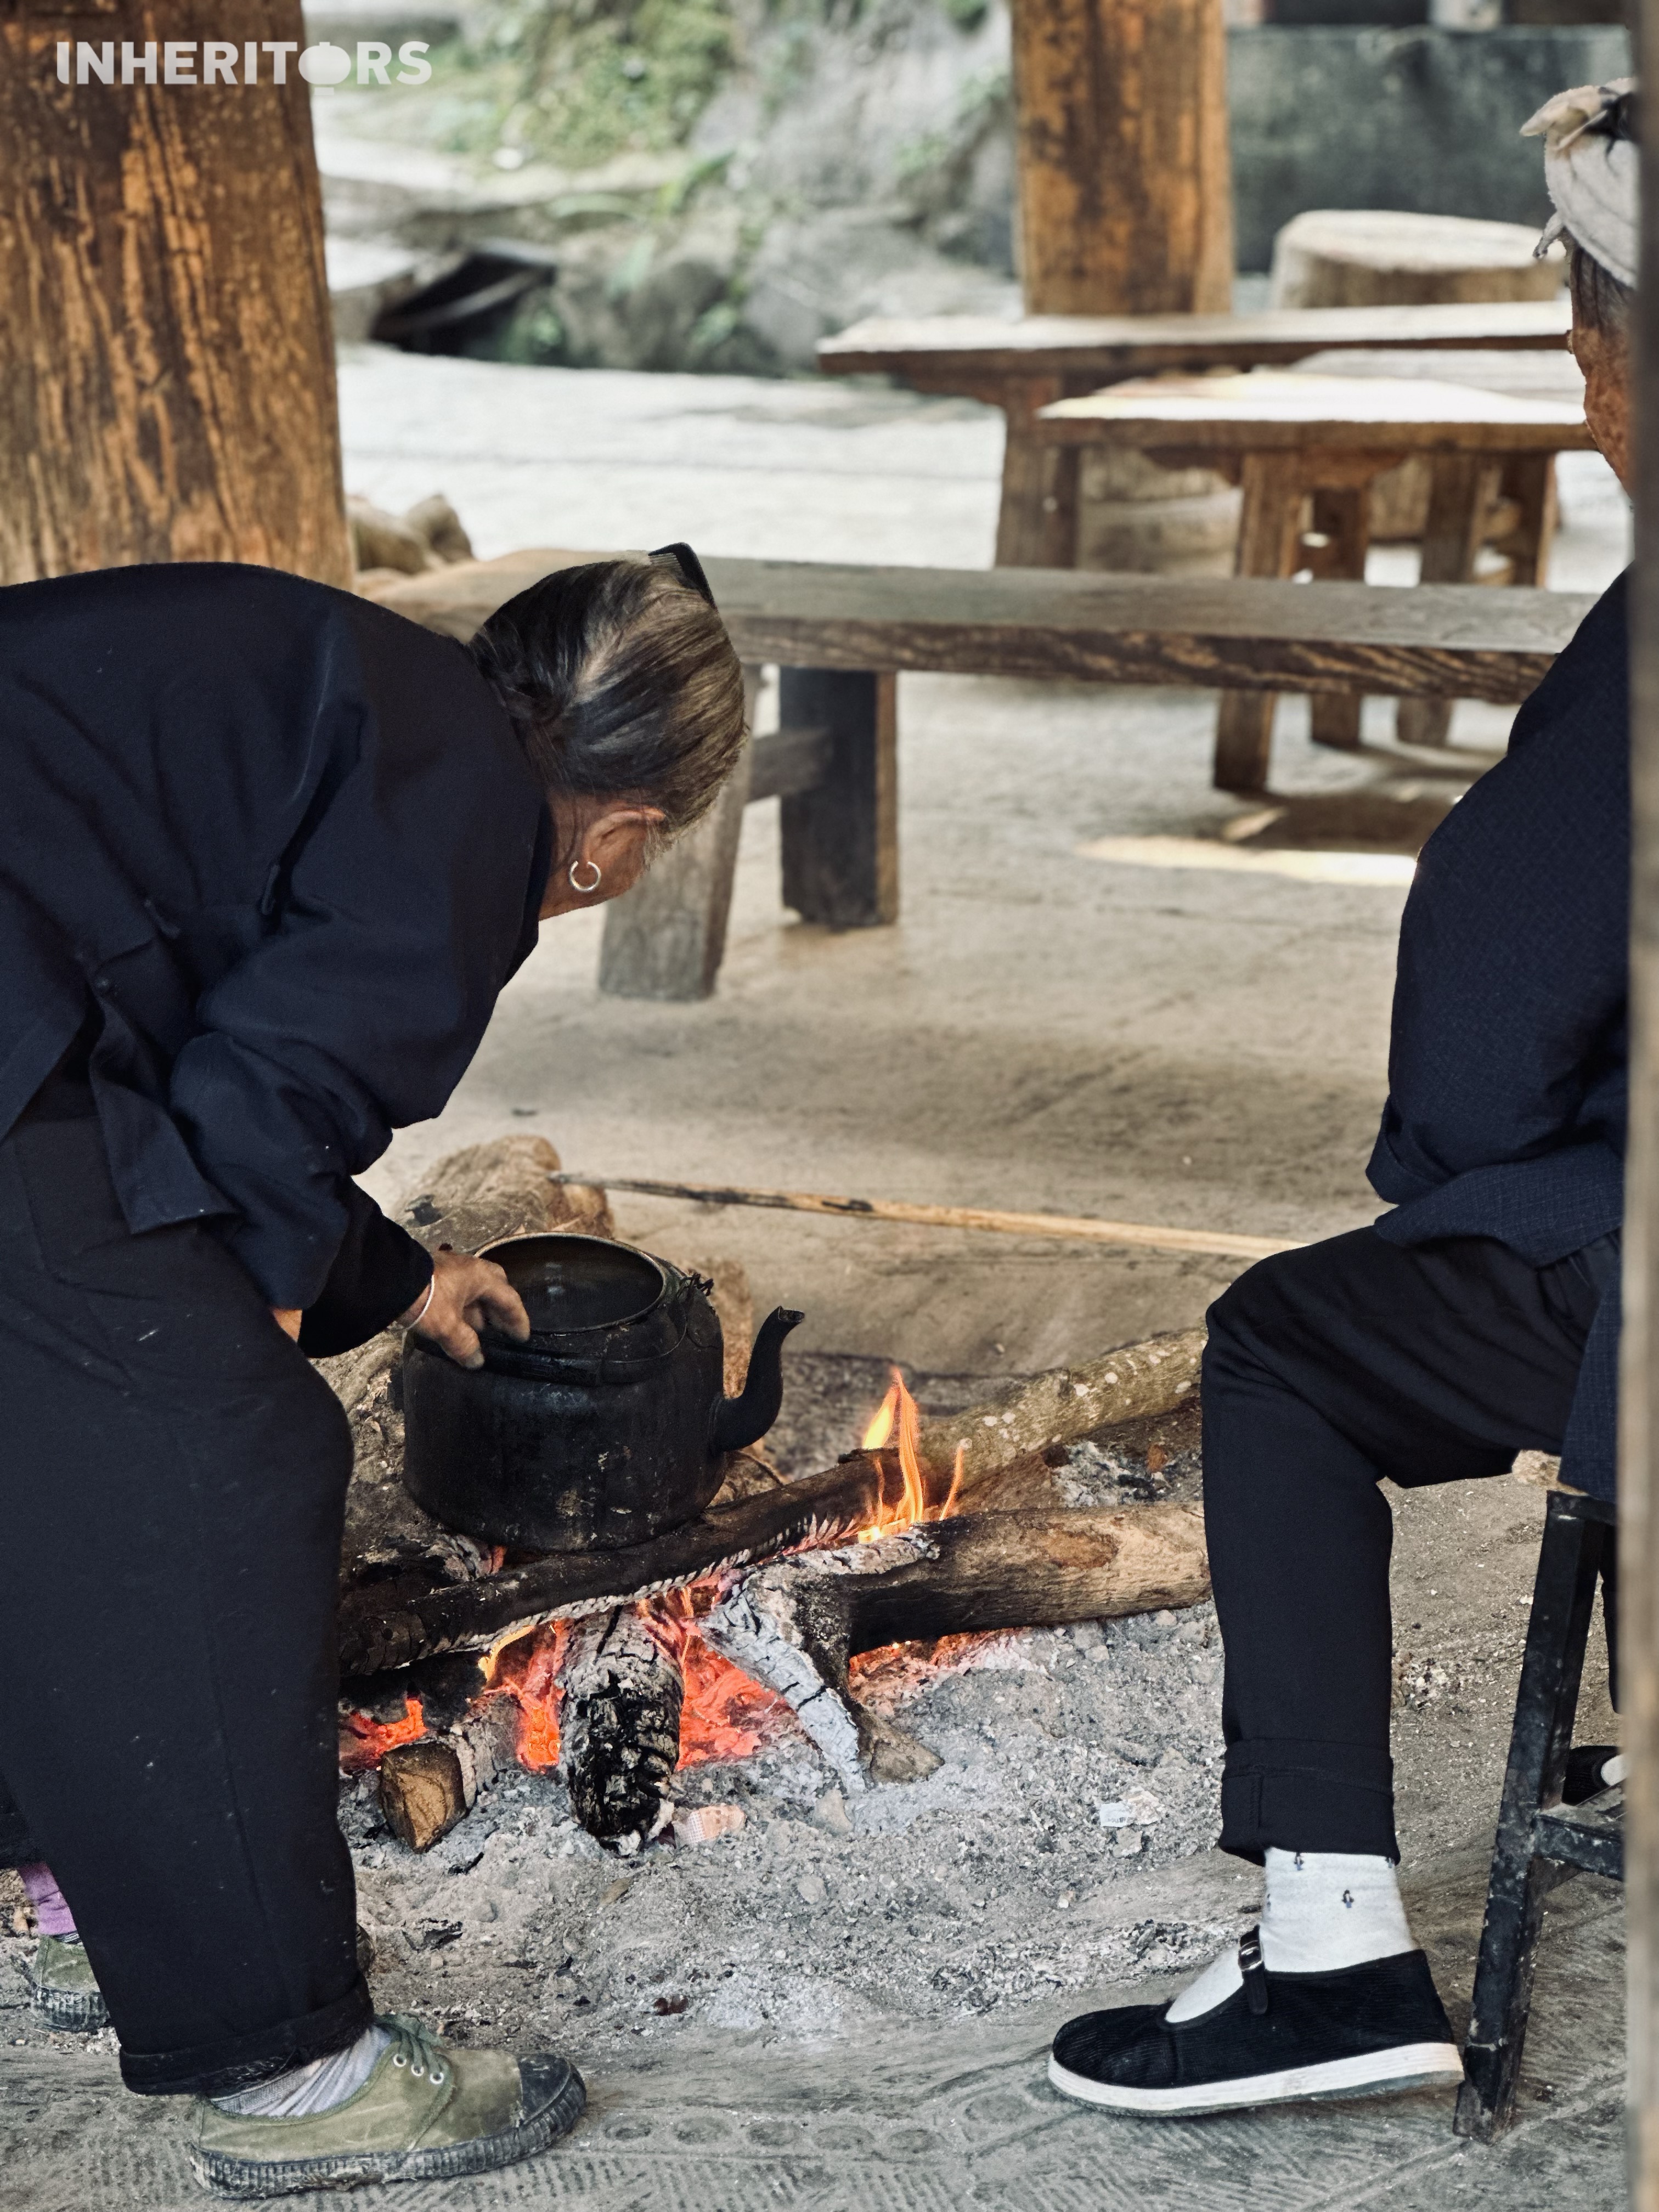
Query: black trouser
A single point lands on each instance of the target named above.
(1327, 1369)
(173, 1478)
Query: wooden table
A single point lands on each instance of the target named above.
(1025, 366)
(1288, 438)
(841, 633)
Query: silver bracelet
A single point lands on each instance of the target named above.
(425, 1303)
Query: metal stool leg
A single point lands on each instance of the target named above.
(1570, 1561)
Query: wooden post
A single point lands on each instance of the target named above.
(666, 938)
(841, 839)
(1638, 1474)
(167, 365)
(1124, 183)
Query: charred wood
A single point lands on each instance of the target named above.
(1003, 1443)
(619, 1726)
(795, 1624)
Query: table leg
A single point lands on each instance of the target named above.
(1028, 527)
(1274, 485)
(1343, 518)
(1529, 481)
(1462, 493)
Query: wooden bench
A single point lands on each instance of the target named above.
(841, 635)
(1025, 366)
(1284, 435)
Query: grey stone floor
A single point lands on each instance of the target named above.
(934, 2120)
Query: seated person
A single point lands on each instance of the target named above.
(1478, 1319)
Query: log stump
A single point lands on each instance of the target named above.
(1381, 258)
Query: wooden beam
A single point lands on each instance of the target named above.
(167, 358)
(787, 762)
(1125, 182)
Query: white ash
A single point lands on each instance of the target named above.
(988, 1883)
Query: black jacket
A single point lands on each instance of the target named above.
(1507, 1064)
(275, 850)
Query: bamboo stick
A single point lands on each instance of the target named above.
(1085, 1228)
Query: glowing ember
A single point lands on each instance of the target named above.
(364, 1742)
(726, 1715)
(527, 1671)
(898, 1411)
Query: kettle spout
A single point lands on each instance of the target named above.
(745, 1420)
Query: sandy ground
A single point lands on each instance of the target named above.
(1168, 1043)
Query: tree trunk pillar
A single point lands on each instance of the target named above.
(167, 365)
(1126, 208)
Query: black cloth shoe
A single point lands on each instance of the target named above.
(1377, 2026)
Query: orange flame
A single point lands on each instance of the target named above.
(364, 1743)
(898, 1411)
(527, 1671)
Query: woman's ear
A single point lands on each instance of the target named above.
(610, 856)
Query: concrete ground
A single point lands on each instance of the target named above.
(1145, 1036)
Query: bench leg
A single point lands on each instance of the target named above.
(1528, 481)
(1461, 495)
(1269, 533)
(841, 839)
(1569, 1562)
(666, 938)
(1343, 517)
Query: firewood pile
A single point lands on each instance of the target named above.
(456, 1658)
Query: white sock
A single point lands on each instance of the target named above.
(1322, 1910)
(316, 2087)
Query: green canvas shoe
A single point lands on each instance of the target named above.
(66, 1988)
(428, 2112)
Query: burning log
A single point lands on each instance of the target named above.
(619, 1726)
(794, 1624)
(1002, 1442)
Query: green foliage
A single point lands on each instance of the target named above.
(967, 15)
(594, 78)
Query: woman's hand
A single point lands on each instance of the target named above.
(466, 1293)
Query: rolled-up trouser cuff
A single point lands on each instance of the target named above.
(242, 2061)
(1299, 1796)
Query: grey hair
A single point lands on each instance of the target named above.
(622, 684)
(1600, 302)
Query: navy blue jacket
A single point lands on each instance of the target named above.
(1507, 1090)
(276, 851)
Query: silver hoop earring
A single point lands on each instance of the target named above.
(586, 890)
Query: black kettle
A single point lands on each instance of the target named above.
(608, 1426)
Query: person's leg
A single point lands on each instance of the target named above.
(1327, 1369)
(168, 1696)
(172, 1484)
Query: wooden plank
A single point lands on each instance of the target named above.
(1268, 408)
(841, 839)
(1238, 632)
(951, 347)
(1125, 186)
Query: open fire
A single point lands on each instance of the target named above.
(725, 1714)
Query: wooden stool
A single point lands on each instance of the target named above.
(1287, 438)
(1542, 1842)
